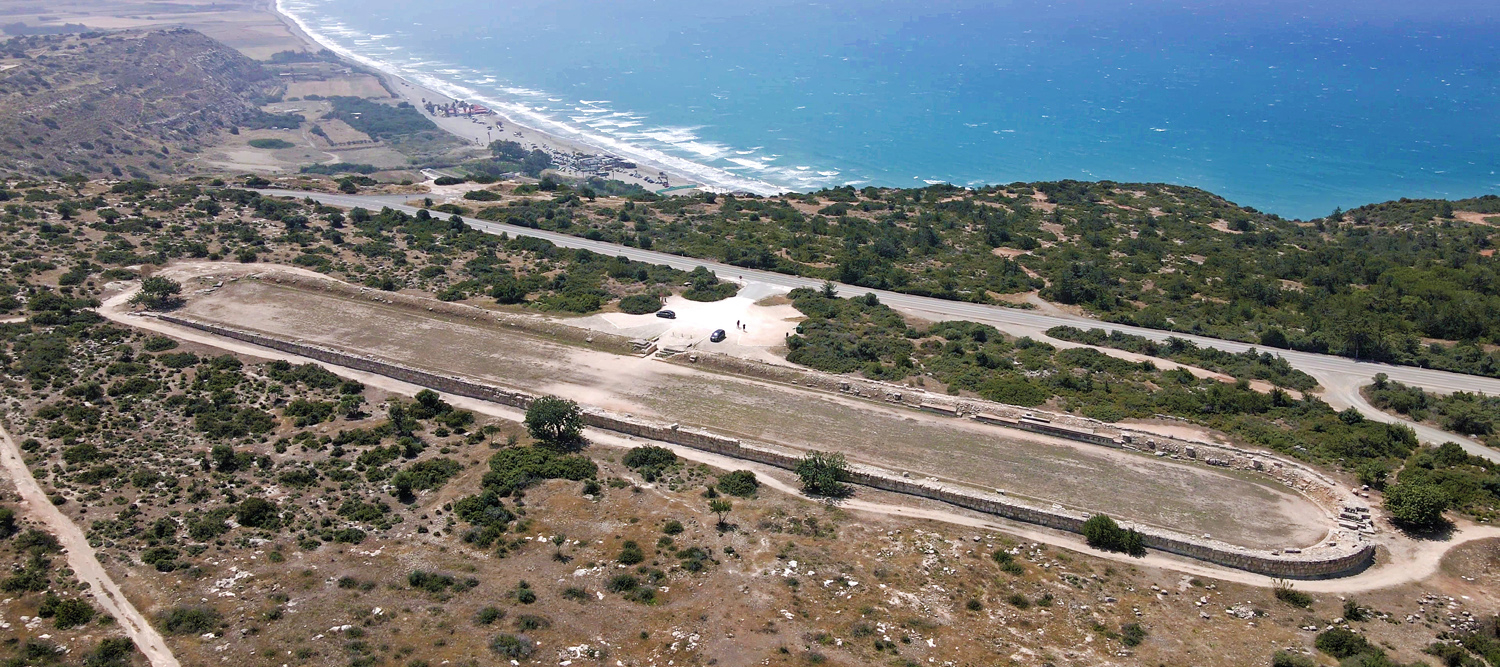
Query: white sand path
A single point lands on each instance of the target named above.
(81, 557)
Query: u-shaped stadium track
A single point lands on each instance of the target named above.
(1341, 377)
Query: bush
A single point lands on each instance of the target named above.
(650, 461)
(432, 582)
(112, 652)
(1292, 596)
(640, 304)
(1101, 532)
(630, 554)
(488, 616)
(672, 527)
(1341, 643)
(1132, 634)
(481, 195)
(824, 474)
(70, 613)
(258, 513)
(532, 622)
(511, 646)
(189, 620)
(1353, 612)
(1289, 659)
(271, 144)
(740, 483)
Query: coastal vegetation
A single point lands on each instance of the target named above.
(1402, 282)
(1461, 412)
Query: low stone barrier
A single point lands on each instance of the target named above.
(1317, 562)
(1321, 489)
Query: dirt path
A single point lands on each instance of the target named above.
(1409, 561)
(81, 557)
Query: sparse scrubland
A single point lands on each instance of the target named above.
(357, 526)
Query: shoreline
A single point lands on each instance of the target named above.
(652, 175)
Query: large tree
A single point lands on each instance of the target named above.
(556, 422)
(1416, 506)
(824, 474)
(158, 293)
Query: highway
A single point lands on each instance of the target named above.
(1341, 377)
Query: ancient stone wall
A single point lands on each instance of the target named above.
(1324, 561)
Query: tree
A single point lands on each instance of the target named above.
(258, 513)
(824, 474)
(1416, 506)
(1101, 532)
(720, 507)
(557, 422)
(158, 293)
(829, 291)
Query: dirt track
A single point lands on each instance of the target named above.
(81, 557)
(1409, 560)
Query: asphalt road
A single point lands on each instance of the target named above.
(1340, 376)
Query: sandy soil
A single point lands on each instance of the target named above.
(1240, 508)
(81, 557)
(1408, 561)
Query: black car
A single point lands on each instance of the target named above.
(666, 314)
(717, 336)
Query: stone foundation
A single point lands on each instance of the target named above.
(1323, 561)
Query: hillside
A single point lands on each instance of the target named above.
(122, 104)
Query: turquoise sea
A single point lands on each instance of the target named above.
(1290, 108)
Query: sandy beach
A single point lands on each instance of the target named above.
(480, 130)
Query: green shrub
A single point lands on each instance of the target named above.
(189, 620)
(271, 144)
(650, 461)
(1292, 596)
(640, 304)
(741, 483)
(1341, 643)
(511, 646)
(488, 616)
(630, 554)
(1101, 532)
(1289, 659)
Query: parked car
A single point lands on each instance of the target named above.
(717, 336)
(666, 314)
